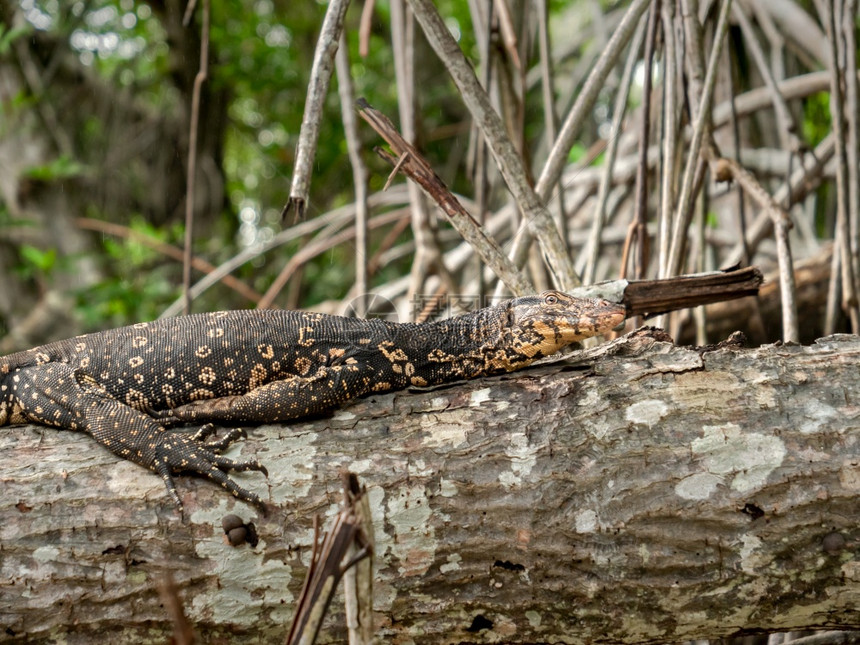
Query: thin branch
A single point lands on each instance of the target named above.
(550, 117)
(342, 215)
(479, 172)
(365, 27)
(359, 170)
(671, 124)
(588, 95)
(796, 87)
(427, 253)
(417, 169)
(694, 53)
(694, 161)
(326, 239)
(321, 72)
(843, 227)
(168, 250)
(803, 181)
(507, 158)
(730, 169)
(332, 558)
(593, 247)
(190, 197)
(576, 117)
(786, 127)
(509, 35)
(852, 115)
(358, 577)
(638, 226)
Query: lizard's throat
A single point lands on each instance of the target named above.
(471, 346)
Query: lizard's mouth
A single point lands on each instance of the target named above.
(600, 317)
(559, 331)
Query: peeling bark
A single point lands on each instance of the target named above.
(659, 494)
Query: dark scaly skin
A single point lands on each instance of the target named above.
(129, 387)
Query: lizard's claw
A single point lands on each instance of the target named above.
(219, 445)
(177, 453)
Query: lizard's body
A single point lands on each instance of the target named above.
(129, 387)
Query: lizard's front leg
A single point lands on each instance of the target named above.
(59, 395)
(290, 398)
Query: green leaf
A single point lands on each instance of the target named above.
(42, 260)
(576, 153)
(8, 36)
(60, 168)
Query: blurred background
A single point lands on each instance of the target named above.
(648, 119)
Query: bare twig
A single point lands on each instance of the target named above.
(509, 35)
(193, 128)
(168, 250)
(359, 170)
(341, 216)
(347, 543)
(588, 95)
(694, 161)
(671, 74)
(652, 297)
(427, 253)
(483, 26)
(326, 239)
(550, 117)
(796, 87)
(694, 53)
(417, 169)
(852, 144)
(314, 103)
(382, 255)
(638, 229)
(801, 183)
(358, 579)
(786, 127)
(731, 169)
(592, 249)
(507, 158)
(843, 227)
(364, 28)
(554, 165)
(183, 632)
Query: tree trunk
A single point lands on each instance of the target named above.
(659, 493)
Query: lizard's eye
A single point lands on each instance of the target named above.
(551, 299)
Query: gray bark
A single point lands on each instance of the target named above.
(658, 493)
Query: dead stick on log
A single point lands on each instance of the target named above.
(654, 297)
(347, 544)
(183, 632)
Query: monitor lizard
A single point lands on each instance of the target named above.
(131, 388)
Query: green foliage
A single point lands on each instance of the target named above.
(577, 152)
(145, 284)
(816, 118)
(36, 262)
(60, 168)
(712, 220)
(261, 57)
(121, 300)
(8, 35)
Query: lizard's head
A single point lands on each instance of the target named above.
(544, 324)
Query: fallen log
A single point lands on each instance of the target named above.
(652, 493)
